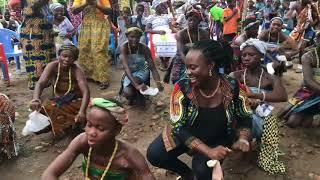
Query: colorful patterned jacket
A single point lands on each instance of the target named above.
(184, 110)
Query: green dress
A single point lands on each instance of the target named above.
(97, 172)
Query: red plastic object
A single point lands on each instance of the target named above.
(152, 49)
(3, 60)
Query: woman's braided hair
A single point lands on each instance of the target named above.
(217, 52)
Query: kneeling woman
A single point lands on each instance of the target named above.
(70, 90)
(306, 101)
(207, 115)
(105, 157)
(137, 62)
(262, 88)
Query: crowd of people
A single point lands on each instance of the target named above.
(224, 59)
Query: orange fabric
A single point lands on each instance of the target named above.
(152, 49)
(232, 25)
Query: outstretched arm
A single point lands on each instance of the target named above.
(43, 82)
(64, 160)
(83, 85)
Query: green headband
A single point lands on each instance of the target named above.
(118, 112)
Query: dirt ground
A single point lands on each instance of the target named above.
(300, 147)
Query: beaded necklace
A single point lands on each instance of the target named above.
(260, 78)
(213, 93)
(108, 165)
(58, 76)
(269, 38)
(129, 48)
(190, 39)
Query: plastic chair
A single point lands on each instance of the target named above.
(6, 39)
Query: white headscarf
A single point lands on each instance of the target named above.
(54, 6)
(156, 3)
(259, 45)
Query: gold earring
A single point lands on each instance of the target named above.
(210, 72)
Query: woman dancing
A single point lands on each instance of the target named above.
(36, 39)
(105, 157)
(207, 114)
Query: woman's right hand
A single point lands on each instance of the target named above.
(141, 87)
(35, 104)
(218, 153)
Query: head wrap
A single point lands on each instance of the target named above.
(251, 25)
(156, 3)
(259, 45)
(119, 113)
(278, 18)
(55, 6)
(70, 47)
(134, 29)
(193, 11)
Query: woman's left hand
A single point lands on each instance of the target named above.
(249, 93)
(80, 117)
(242, 145)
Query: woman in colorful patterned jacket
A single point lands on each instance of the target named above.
(208, 115)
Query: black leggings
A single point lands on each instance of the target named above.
(159, 157)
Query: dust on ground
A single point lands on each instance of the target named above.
(300, 147)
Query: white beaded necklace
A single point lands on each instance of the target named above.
(260, 78)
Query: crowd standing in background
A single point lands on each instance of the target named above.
(224, 59)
